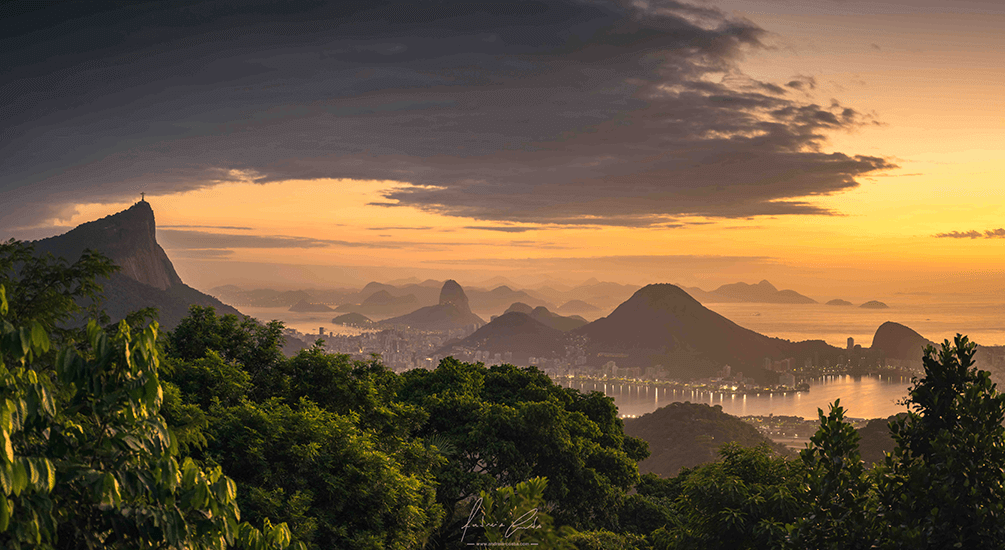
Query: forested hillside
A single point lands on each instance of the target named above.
(684, 435)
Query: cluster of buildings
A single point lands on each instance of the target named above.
(404, 349)
(399, 349)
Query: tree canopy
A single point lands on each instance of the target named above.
(113, 436)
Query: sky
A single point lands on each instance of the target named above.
(840, 148)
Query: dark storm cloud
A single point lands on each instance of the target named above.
(973, 234)
(401, 228)
(504, 229)
(559, 112)
(684, 263)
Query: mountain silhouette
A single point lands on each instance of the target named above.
(353, 320)
(498, 298)
(899, 342)
(383, 303)
(763, 292)
(304, 306)
(146, 279)
(452, 312)
(516, 332)
(547, 318)
(663, 324)
(577, 306)
(684, 435)
(660, 324)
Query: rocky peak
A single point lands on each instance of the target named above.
(899, 342)
(452, 293)
(129, 238)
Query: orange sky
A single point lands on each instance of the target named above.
(927, 82)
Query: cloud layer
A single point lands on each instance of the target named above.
(973, 234)
(558, 112)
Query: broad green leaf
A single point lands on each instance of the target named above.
(188, 472)
(6, 479)
(39, 338)
(50, 474)
(6, 417)
(151, 391)
(19, 477)
(3, 301)
(33, 474)
(4, 513)
(48, 404)
(110, 496)
(6, 447)
(25, 340)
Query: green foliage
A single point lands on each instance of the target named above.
(338, 384)
(515, 516)
(210, 379)
(88, 462)
(507, 425)
(607, 540)
(944, 485)
(742, 501)
(47, 291)
(244, 341)
(685, 435)
(841, 508)
(324, 475)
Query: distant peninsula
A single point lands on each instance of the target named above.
(761, 293)
(303, 306)
(874, 304)
(353, 320)
(839, 302)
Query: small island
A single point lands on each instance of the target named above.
(303, 306)
(874, 304)
(353, 320)
(840, 302)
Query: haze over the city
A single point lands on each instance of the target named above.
(840, 148)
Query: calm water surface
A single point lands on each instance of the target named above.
(983, 321)
(308, 323)
(862, 397)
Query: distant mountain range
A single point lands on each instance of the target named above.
(763, 292)
(590, 299)
(451, 312)
(383, 304)
(304, 306)
(147, 277)
(577, 307)
(660, 324)
(547, 318)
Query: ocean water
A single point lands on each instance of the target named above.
(982, 322)
(861, 397)
(308, 323)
